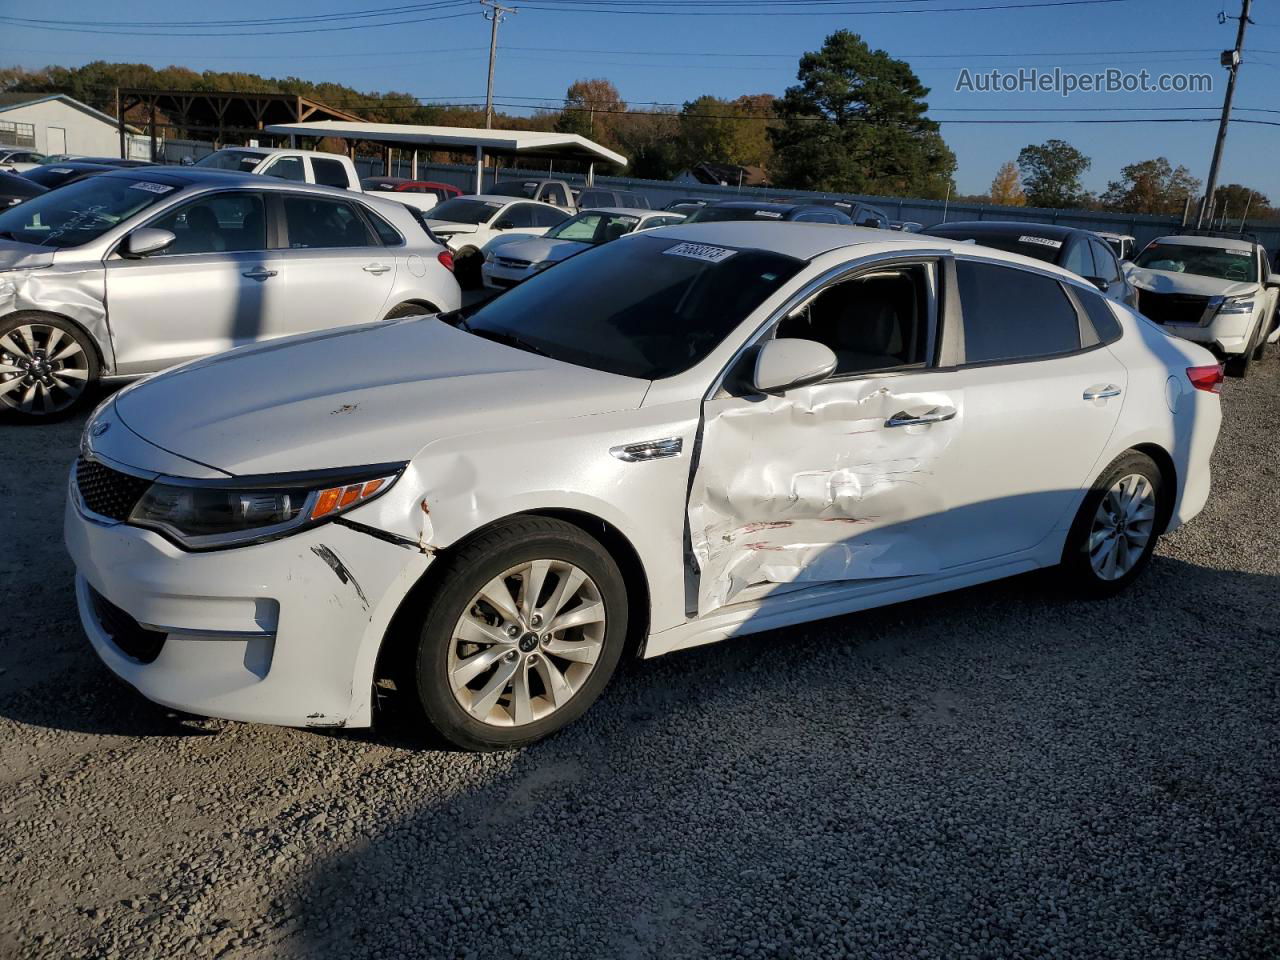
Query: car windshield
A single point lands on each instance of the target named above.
(720, 214)
(1215, 262)
(648, 307)
(80, 212)
(594, 227)
(1028, 242)
(243, 160)
(514, 188)
(55, 176)
(464, 210)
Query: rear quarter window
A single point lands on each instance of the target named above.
(1104, 321)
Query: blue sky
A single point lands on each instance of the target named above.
(667, 60)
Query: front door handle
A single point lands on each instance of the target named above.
(376, 268)
(936, 415)
(1102, 392)
(259, 274)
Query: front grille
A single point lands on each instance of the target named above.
(513, 264)
(135, 640)
(106, 492)
(1172, 307)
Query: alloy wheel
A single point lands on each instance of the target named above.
(526, 643)
(1122, 526)
(43, 369)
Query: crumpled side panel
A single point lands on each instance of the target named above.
(813, 487)
(79, 295)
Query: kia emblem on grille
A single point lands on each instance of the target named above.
(99, 429)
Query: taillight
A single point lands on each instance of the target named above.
(446, 258)
(1206, 378)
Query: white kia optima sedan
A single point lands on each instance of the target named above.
(688, 435)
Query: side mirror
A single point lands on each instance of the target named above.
(784, 364)
(869, 222)
(1273, 281)
(504, 225)
(146, 241)
(1100, 283)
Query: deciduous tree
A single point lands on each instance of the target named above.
(1051, 174)
(1006, 188)
(1151, 186)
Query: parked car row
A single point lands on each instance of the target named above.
(678, 435)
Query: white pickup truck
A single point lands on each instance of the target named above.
(304, 166)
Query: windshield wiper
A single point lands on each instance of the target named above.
(510, 340)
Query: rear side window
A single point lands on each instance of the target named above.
(1100, 315)
(1078, 259)
(1012, 314)
(317, 223)
(331, 173)
(546, 217)
(1104, 262)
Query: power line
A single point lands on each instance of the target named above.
(684, 12)
(221, 22)
(242, 33)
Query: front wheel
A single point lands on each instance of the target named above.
(1115, 531)
(46, 366)
(520, 635)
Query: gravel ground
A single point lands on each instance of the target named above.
(994, 773)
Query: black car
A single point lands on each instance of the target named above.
(594, 197)
(752, 210)
(1080, 251)
(54, 175)
(15, 188)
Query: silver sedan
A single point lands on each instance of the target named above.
(128, 273)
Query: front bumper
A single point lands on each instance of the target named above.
(285, 632)
(498, 277)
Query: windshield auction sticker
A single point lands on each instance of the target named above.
(700, 251)
(150, 187)
(1042, 241)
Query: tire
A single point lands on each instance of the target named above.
(48, 367)
(458, 627)
(466, 267)
(409, 309)
(1080, 567)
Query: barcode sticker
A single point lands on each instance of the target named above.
(150, 187)
(1042, 241)
(700, 251)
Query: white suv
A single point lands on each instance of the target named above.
(1217, 290)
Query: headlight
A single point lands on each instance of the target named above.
(1236, 305)
(489, 256)
(204, 515)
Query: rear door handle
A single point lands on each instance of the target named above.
(376, 268)
(1102, 392)
(936, 415)
(259, 273)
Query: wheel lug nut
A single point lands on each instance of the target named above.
(535, 620)
(511, 656)
(513, 631)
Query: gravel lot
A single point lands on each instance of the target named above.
(997, 772)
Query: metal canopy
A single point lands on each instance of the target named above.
(505, 143)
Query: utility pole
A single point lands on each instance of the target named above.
(495, 18)
(1230, 60)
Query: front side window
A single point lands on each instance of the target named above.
(330, 173)
(1203, 261)
(80, 212)
(650, 308)
(517, 216)
(465, 210)
(287, 168)
(1012, 314)
(319, 223)
(227, 222)
(877, 321)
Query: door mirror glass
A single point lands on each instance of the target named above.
(148, 240)
(784, 364)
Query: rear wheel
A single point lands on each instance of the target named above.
(1116, 529)
(47, 366)
(520, 635)
(410, 310)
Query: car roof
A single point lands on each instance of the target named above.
(628, 211)
(1053, 231)
(805, 241)
(80, 165)
(503, 198)
(762, 205)
(1217, 243)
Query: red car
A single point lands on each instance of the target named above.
(423, 194)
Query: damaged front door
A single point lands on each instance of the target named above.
(844, 479)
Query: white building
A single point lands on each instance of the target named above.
(53, 123)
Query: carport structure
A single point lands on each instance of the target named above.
(535, 144)
(220, 113)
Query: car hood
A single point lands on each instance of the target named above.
(1164, 281)
(540, 249)
(376, 393)
(448, 227)
(23, 256)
